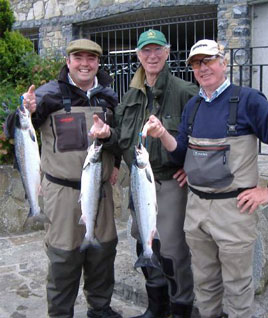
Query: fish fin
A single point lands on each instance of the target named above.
(148, 175)
(81, 221)
(32, 136)
(30, 214)
(89, 243)
(144, 261)
(40, 191)
(156, 235)
(86, 163)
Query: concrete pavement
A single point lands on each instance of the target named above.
(23, 268)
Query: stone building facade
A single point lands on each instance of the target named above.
(53, 23)
(56, 19)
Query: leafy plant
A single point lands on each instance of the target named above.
(9, 100)
(33, 69)
(38, 70)
(6, 17)
(13, 47)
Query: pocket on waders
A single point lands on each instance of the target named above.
(71, 132)
(207, 165)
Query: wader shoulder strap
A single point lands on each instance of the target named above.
(66, 100)
(192, 115)
(233, 103)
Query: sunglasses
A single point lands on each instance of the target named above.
(207, 60)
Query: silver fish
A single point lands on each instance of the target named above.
(145, 205)
(91, 180)
(28, 160)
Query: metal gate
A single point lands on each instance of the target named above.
(119, 39)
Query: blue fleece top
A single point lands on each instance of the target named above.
(211, 118)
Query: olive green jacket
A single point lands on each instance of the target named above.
(170, 94)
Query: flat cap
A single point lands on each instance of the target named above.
(84, 45)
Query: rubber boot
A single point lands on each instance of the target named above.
(181, 310)
(158, 303)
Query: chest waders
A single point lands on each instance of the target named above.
(64, 149)
(220, 168)
(221, 239)
(169, 291)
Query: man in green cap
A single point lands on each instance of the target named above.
(154, 90)
(63, 110)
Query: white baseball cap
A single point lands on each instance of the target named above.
(207, 47)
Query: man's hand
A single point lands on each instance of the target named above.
(250, 199)
(29, 100)
(99, 129)
(114, 176)
(181, 177)
(153, 128)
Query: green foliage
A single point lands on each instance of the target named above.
(33, 69)
(6, 17)
(9, 100)
(37, 70)
(20, 67)
(13, 47)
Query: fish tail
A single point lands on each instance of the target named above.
(145, 261)
(37, 218)
(89, 243)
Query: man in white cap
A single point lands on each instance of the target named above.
(218, 134)
(63, 110)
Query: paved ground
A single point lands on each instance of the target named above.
(23, 266)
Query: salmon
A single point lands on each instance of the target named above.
(28, 160)
(145, 205)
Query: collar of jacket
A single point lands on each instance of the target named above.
(138, 81)
(104, 79)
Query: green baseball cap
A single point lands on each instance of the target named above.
(151, 37)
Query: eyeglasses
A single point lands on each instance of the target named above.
(207, 60)
(158, 51)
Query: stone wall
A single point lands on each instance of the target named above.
(55, 18)
(14, 207)
(14, 210)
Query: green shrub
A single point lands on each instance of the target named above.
(33, 69)
(6, 17)
(9, 100)
(20, 67)
(13, 47)
(37, 70)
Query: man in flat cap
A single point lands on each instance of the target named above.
(63, 112)
(154, 90)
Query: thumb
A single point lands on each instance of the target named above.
(31, 89)
(97, 120)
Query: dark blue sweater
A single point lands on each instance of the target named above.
(211, 118)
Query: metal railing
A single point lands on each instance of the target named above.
(246, 67)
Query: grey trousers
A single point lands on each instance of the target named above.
(221, 240)
(175, 255)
